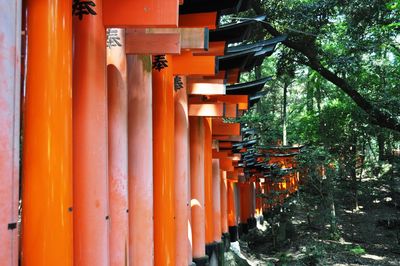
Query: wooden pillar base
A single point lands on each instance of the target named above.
(233, 233)
(202, 261)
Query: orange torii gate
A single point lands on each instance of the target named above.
(108, 142)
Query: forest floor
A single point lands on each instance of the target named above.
(369, 236)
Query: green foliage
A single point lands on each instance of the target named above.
(357, 250)
(313, 254)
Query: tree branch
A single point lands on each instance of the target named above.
(377, 116)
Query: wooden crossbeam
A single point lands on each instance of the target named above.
(191, 38)
(221, 154)
(221, 128)
(140, 13)
(138, 41)
(199, 20)
(207, 110)
(225, 145)
(225, 164)
(214, 48)
(240, 100)
(165, 40)
(231, 110)
(228, 138)
(201, 86)
(188, 64)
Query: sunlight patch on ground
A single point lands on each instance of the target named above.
(235, 248)
(263, 227)
(372, 257)
(355, 211)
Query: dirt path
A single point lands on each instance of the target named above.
(362, 242)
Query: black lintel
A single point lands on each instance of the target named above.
(270, 42)
(237, 60)
(247, 88)
(235, 32)
(223, 7)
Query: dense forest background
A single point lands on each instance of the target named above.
(335, 89)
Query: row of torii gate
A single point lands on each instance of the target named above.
(125, 156)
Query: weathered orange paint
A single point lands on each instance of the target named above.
(208, 178)
(90, 147)
(141, 13)
(47, 151)
(163, 165)
(216, 197)
(182, 182)
(232, 221)
(138, 41)
(140, 160)
(196, 126)
(118, 150)
(10, 93)
(224, 202)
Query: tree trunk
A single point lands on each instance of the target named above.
(310, 98)
(331, 203)
(353, 169)
(381, 146)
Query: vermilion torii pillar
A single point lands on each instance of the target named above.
(216, 191)
(91, 216)
(224, 204)
(182, 175)
(47, 154)
(117, 145)
(163, 161)
(197, 189)
(232, 212)
(208, 181)
(245, 197)
(10, 30)
(217, 232)
(140, 131)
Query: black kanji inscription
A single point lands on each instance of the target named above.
(178, 84)
(81, 8)
(113, 40)
(159, 62)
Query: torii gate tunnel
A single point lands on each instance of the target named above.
(113, 145)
